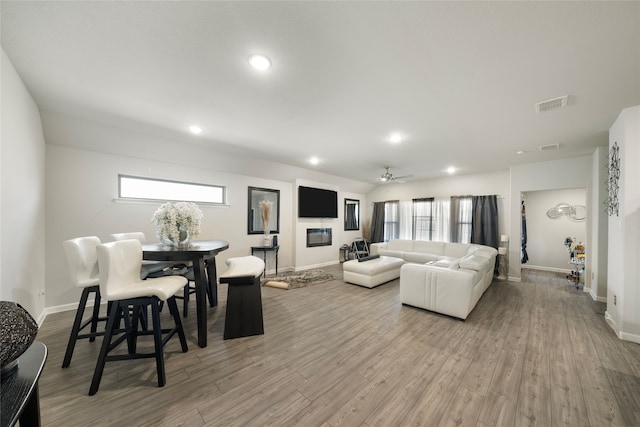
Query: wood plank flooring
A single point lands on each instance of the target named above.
(536, 353)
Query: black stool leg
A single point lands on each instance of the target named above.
(96, 315)
(185, 300)
(76, 328)
(157, 339)
(106, 343)
(173, 309)
(132, 329)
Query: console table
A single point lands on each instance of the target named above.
(264, 250)
(19, 391)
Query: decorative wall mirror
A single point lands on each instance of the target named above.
(351, 214)
(254, 215)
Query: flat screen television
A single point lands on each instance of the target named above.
(317, 203)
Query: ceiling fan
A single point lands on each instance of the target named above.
(388, 177)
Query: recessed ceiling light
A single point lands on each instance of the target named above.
(196, 130)
(520, 152)
(451, 170)
(395, 138)
(260, 62)
(314, 160)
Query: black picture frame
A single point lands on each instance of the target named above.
(254, 220)
(351, 215)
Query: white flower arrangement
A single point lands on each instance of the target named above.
(265, 214)
(177, 222)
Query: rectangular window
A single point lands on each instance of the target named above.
(133, 187)
(391, 221)
(422, 219)
(462, 219)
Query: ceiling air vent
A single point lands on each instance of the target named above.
(552, 104)
(549, 147)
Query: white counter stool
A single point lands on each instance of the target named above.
(244, 298)
(149, 268)
(163, 268)
(82, 260)
(120, 283)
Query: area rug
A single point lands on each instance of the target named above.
(294, 280)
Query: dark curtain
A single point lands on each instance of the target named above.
(484, 221)
(523, 239)
(377, 223)
(352, 223)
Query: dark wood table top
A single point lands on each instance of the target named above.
(200, 248)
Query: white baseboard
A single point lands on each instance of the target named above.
(309, 267)
(553, 270)
(629, 337)
(60, 308)
(635, 338)
(514, 279)
(595, 297)
(612, 323)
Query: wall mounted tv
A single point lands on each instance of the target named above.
(317, 203)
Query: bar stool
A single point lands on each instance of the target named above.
(244, 299)
(120, 283)
(163, 268)
(149, 268)
(82, 260)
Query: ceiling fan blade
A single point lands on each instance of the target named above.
(402, 177)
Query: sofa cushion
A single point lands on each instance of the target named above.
(427, 247)
(456, 250)
(419, 257)
(447, 258)
(373, 266)
(472, 250)
(392, 253)
(473, 262)
(453, 264)
(400, 245)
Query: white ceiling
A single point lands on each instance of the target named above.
(458, 79)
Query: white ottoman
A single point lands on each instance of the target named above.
(372, 272)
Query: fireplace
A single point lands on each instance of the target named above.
(318, 237)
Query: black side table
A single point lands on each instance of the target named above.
(264, 250)
(20, 399)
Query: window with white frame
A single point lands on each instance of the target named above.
(422, 219)
(462, 220)
(391, 221)
(139, 188)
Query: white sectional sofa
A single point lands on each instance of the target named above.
(447, 278)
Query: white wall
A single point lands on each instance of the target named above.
(623, 292)
(82, 185)
(320, 256)
(599, 245)
(545, 236)
(551, 175)
(476, 185)
(22, 156)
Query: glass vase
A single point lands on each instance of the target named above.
(183, 240)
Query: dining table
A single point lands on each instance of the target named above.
(201, 253)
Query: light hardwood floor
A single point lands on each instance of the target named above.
(532, 353)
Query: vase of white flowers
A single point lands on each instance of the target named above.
(177, 223)
(265, 215)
